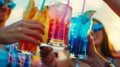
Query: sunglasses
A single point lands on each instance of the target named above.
(11, 5)
(97, 27)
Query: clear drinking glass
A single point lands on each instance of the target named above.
(80, 26)
(59, 15)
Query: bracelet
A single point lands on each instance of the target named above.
(108, 64)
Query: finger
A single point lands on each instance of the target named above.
(34, 22)
(35, 26)
(31, 32)
(91, 47)
(28, 38)
(91, 41)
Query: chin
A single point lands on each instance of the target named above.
(3, 19)
(2, 22)
(96, 42)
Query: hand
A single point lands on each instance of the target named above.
(21, 30)
(46, 54)
(94, 58)
(92, 52)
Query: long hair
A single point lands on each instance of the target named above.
(106, 47)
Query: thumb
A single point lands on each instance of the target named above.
(91, 41)
(91, 46)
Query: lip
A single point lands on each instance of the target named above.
(2, 14)
(94, 37)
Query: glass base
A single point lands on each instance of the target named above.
(28, 53)
(80, 57)
(56, 44)
(55, 48)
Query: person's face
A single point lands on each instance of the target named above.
(97, 35)
(5, 10)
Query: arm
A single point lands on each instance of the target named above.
(114, 5)
(99, 61)
(94, 58)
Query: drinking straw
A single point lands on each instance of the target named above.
(43, 3)
(83, 7)
(62, 20)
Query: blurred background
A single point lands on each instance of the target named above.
(104, 14)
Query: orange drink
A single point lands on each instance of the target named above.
(40, 16)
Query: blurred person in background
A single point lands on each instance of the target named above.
(102, 43)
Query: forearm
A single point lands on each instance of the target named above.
(2, 39)
(3, 36)
(52, 64)
(114, 5)
(100, 62)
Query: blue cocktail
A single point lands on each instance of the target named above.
(78, 33)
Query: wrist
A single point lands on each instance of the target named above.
(98, 61)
